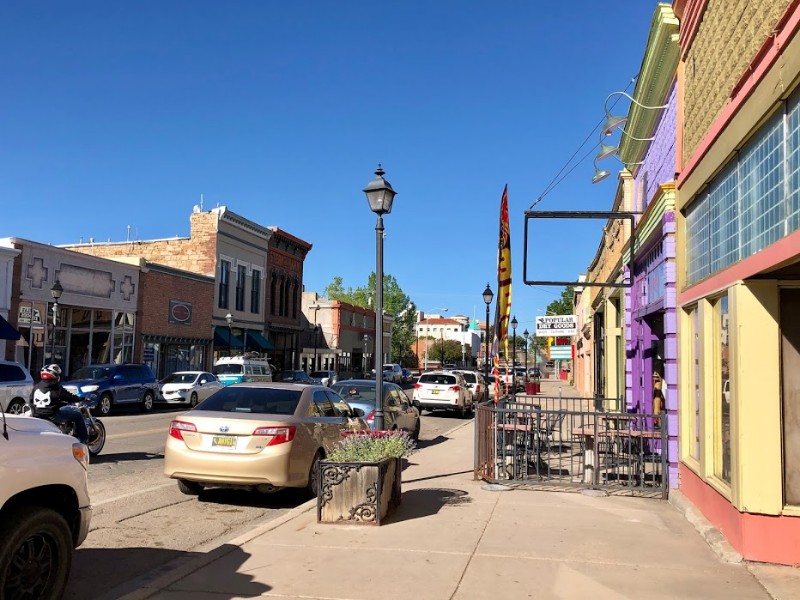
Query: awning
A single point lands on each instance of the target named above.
(256, 341)
(7, 332)
(223, 337)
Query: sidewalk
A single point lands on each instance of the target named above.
(453, 538)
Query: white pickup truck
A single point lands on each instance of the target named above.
(44, 506)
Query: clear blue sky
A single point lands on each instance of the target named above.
(118, 114)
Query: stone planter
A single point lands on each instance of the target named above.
(358, 492)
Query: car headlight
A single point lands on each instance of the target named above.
(89, 388)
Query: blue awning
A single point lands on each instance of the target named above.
(223, 337)
(256, 341)
(7, 332)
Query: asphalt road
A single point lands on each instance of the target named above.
(141, 521)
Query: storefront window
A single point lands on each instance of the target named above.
(694, 381)
(723, 468)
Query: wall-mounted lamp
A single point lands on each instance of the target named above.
(613, 122)
(599, 174)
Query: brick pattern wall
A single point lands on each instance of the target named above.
(158, 289)
(659, 162)
(729, 35)
(197, 254)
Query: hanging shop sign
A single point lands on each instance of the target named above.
(557, 326)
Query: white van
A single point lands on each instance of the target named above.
(243, 368)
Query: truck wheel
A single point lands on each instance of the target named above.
(147, 402)
(36, 554)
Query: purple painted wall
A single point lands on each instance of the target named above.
(654, 293)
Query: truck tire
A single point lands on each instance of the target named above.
(38, 541)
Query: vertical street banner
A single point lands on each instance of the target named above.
(503, 305)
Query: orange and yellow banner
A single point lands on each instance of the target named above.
(503, 307)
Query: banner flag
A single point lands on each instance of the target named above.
(503, 305)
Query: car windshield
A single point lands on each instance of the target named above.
(256, 400)
(92, 373)
(470, 377)
(229, 369)
(180, 378)
(321, 374)
(291, 375)
(356, 392)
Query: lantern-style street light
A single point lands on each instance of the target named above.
(487, 298)
(56, 291)
(380, 196)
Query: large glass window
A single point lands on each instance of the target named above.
(224, 283)
(694, 382)
(752, 203)
(241, 279)
(723, 410)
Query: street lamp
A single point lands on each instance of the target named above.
(514, 324)
(56, 291)
(229, 319)
(487, 298)
(380, 196)
(525, 337)
(366, 365)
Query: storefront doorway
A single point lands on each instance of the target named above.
(790, 393)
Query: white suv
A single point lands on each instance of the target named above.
(16, 385)
(443, 390)
(44, 506)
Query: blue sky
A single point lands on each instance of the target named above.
(118, 114)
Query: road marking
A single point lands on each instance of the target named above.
(119, 436)
(136, 493)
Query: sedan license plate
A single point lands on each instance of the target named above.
(434, 391)
(223, 441)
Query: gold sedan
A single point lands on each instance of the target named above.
(260, 436)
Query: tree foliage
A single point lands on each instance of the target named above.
(452, 351)
(564, 305)
(396, 303)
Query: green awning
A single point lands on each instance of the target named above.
(223, 337)
(256, 341)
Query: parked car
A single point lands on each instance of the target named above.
(294, 376)
(110, 385)
(260, 436)
(535, 372)
(506, 379)
(327, 377)
(16, 385)
(408, 377)
(45, 510)
(476, 384)
(190, 387)
(396, 371)
(398, 410)
(242, 369)
(443, 390)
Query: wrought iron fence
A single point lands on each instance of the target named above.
(560, 442)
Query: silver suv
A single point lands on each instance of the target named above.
(16, 385)
(44, 506)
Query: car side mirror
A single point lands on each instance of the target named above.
(404, 405)
(358, 412)
(203, 382)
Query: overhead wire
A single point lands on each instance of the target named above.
(558, 178)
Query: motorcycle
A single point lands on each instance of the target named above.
(94, 426)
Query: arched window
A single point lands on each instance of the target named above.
(273, 285)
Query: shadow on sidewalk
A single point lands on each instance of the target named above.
(433, 442)
(437, 476)
(425, 502)
(125, 570)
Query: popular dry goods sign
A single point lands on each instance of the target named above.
(557, 326)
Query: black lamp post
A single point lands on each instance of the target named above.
(487, 298)
(525, 337)
(380, 196)
(514, 324)
(229, 319)
(366, 364)
(56, 291)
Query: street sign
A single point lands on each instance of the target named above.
(557, 326)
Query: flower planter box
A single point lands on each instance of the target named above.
(358, 492)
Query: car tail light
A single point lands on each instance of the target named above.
(370, 416)
(176, 427)
(417, 386)
(454, 388)
(280, 435)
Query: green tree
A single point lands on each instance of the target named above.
(396, 303)
(452, 351)
(564, 305)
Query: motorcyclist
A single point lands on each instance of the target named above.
(49, 400)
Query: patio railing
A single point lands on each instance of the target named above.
(580, 443)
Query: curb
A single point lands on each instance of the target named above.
(149, 584)
(713, 537)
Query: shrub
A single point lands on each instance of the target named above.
(372, 446)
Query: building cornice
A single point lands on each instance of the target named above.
(223, 214)
(656, 75)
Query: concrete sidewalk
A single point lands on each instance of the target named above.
(452, 538)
